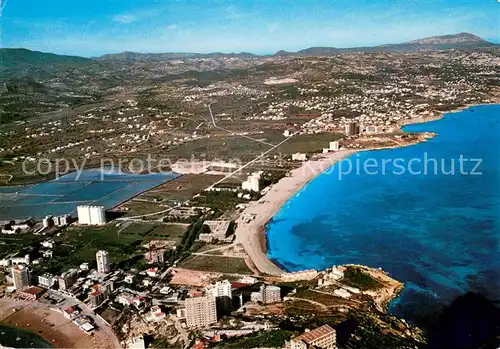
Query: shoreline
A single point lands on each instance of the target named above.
(50, 325)
(252, 234)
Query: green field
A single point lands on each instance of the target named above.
(78, 245)
(16, 242)
(229, 265)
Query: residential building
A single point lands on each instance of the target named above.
(91, 215)
(156, 256)
(102, 258)
(63, 220)
(99, 293)
(200, 311)
(267, 294)
(155, 314)
(47, 221)
(46, 280)
(270, 294)
(323, 337)
(222, 291)
(136, 343)
(20, 276)
(67, 279)
(352, 129)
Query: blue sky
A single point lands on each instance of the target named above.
(96, 27)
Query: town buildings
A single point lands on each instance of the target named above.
(91, 215)
(201, 311)
(323, 337)
(102, 258)
(20, 276)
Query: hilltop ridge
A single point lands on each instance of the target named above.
(24, 58)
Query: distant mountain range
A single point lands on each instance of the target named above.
(434, 43)
(23, 58)
(445, 42)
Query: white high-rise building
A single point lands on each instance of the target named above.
(20, 276)
(91, 215)
(103, 261)
(220, 289)
(252, 183)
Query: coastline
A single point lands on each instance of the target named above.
(49, 324)
(251, 234)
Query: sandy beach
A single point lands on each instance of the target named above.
(251, 234)
(50, 324)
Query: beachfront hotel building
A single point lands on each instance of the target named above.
(91, 215)
(20, 276)
(102, 258)
(201, 311)
(323, 337)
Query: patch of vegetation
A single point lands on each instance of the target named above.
(219, 201)
(355, 277)
(230, 265)
(78, 245)
(269, 339)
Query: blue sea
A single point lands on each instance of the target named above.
(432, 226)
(13, 337)
(61, 196)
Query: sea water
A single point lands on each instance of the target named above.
(62, 196)
(12, 337)
(437, 231)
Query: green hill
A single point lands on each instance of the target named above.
(14, 58)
